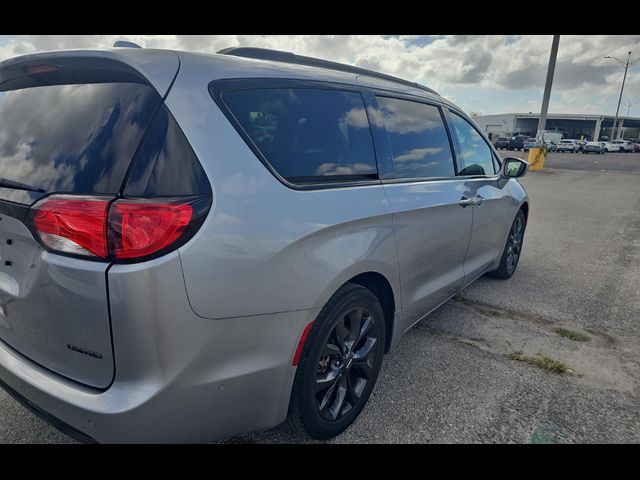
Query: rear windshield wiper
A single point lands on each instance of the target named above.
(4, 183)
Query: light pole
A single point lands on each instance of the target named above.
(626, 64)
(547, 87)
(629, 104)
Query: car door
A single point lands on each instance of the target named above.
(419, 178)
(493, 209)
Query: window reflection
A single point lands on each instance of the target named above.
(307, 134)
(418, 139)
(71, 138)
(477, 158)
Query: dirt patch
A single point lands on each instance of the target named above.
(599, 359)
(572, 335)
(546, 363)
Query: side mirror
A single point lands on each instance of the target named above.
(513, 167)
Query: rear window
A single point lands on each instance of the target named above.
(166, 165)
(71, 138)
(307, 135)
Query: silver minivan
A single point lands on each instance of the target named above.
(195, 246)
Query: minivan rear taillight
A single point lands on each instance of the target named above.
(124, 229)
(140, 228)
(76, 225)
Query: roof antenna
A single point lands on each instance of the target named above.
(125, 44)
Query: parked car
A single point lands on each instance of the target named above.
(529, 143)
(568, 145)
(502, 143)
(136, 308)
(636, 147)
(517, 142)
(625, 145)
(594, 147)
(612, 147)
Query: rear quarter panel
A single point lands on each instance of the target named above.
(264, 247)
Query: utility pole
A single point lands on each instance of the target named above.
(626, 64)
(547, 88)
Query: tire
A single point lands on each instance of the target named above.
(319, 413)
(509, 264)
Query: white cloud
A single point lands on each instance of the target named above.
(417, 154)
(584, 79)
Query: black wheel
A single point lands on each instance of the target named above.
(512, 249)
(339, 364)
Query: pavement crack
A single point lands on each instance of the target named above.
(493, 311)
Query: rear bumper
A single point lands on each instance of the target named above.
(179, 377)
(60, 425)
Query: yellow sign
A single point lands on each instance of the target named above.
(536, 159)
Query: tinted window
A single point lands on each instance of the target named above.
(418, 139)
(307, 135)
(476, 157)
(71, 138)
(166, 163)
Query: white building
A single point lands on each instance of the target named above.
(570, 125)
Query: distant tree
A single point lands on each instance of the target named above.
(475, 114)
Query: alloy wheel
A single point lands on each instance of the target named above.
(514, 245)
(345, 364)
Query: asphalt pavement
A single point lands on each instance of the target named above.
(590, 162)
(450, 379)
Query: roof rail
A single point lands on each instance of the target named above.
(125, 44)
(288, 57)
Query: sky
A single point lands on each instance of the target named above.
(486, 74)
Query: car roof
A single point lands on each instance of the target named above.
(230, 66)
(219, 66)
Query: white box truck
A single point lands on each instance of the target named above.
(554, 137)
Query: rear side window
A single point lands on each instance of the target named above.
(476, 157)
(71, 138)
(166, 164)
(418, 139)
(307, 135)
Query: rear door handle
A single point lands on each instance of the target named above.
(466, 201)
